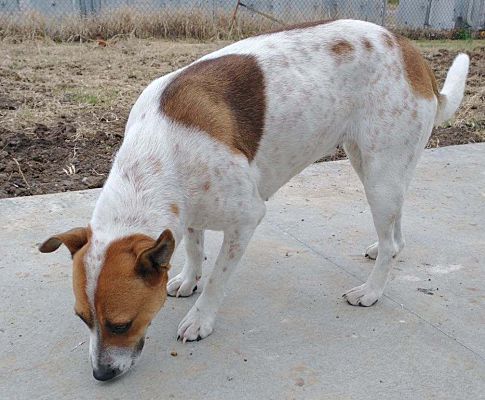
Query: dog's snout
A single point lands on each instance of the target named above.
(105, 373)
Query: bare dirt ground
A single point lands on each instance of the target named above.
(63, 107)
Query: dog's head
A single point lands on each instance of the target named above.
(119, 287)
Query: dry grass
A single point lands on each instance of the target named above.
(93, 87)
(88, 86)
(125, 22)
(448, 44)
(195, 24)
(63, 106)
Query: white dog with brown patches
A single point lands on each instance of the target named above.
(206, 145)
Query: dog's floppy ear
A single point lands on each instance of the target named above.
(152, 262)
(73, 239)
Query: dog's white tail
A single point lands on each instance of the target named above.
(452, 92)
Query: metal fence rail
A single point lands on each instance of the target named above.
(413, 14)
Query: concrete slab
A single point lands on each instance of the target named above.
(283, 332)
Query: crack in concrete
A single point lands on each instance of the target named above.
(342, 268)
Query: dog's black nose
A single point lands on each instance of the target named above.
(104, 373)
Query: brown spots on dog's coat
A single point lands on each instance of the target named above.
(224, 97)
(341, 48)
(174, 208)
(157, 166)
(367, 44)
(418, 73)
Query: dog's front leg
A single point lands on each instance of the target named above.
(185, 283)
(199, 321)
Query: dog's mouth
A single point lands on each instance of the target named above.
(110, 371)
(106, 373)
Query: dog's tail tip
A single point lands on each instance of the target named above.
(452, 93)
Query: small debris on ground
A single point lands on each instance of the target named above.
(79, 344)
(427, 291)
(174, 354)
(299, 382)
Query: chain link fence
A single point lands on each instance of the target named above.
(204, 19)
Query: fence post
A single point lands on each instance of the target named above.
(213, 12)
(428, 11)
(82, 8)
(384, 12)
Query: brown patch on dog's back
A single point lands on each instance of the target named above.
(418, 73)
(123, 296)
(224, 97)
(342, 48)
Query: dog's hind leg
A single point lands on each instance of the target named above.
(387, 161)
(354, 154)
(385, 198)
(185, 283)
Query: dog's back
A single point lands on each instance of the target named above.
(284, 99)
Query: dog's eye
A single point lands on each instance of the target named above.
(118, 329)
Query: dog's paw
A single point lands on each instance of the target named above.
(362, 295)
(181, 286)
(371, 251)
(196, 325)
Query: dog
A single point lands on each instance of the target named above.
(207, 145)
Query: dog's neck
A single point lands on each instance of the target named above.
(141, 195)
